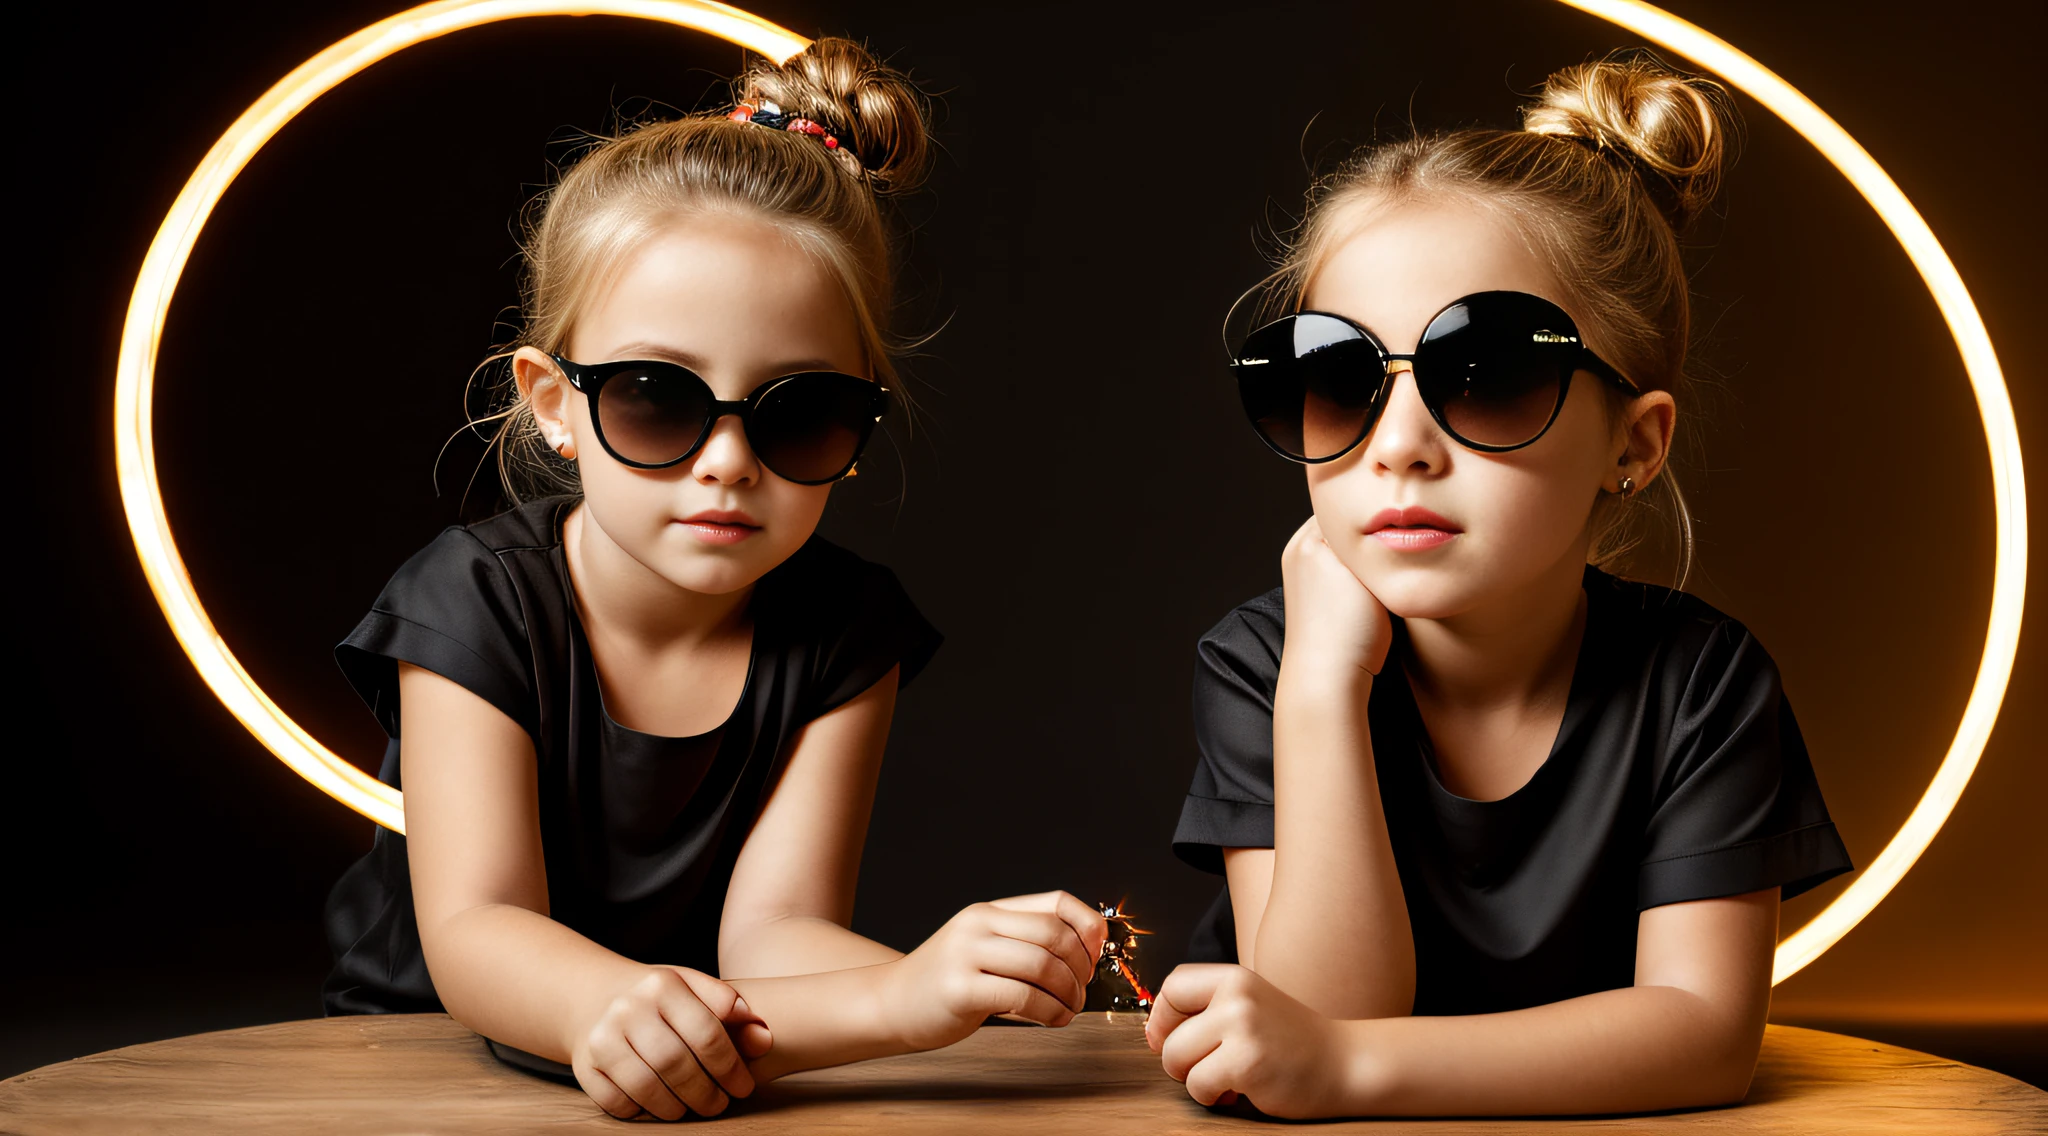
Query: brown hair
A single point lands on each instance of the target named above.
(625, 187)
(1615, 159)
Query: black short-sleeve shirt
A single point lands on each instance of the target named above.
(639, 832)
(1678, 774)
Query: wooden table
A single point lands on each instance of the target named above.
(424, 1073)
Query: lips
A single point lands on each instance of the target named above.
(1411, 529)
(731, 518)
(720, 526)
(1411, 517)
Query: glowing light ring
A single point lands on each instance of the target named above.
(134, 448)
(135, 457)
(1994, 404)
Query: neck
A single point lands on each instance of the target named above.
(624, 600)
(1518, 647)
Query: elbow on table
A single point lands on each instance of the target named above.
(1725, 1077)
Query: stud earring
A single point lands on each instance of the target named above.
(1627, 488)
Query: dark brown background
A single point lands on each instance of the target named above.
(1079, 501)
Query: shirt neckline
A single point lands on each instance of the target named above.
(558, 551)
(1578, 698)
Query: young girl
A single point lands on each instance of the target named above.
(639, 723)
(1502, 833)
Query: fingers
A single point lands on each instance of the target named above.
(1211, 1080)
(1194, 1040)
(1088, 927)
(1030, 963)
(1009, 996)
(1087, 923)
(1056, 941)
(754, 1040)
(1185, 993)
(676, 1069)
(605, 1092)
(710, 1049)
(615, 1059)
(748, 1030)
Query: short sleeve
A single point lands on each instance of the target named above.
(876, 627)
(1736, 806)
(452, 610)
(1230, 800)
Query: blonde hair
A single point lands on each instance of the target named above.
(626, 187)
(1615, 159)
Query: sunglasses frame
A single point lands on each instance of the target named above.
(590, 379)
(1583, 360)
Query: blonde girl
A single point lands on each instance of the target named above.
(1502, 832)
(639, 717)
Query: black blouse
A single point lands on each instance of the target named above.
(1678, 774)
(639, 832)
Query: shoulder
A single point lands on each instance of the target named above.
(455, 608)
(850, 619)
(1237, 662)
(1687, 640)
(469, 560)
(1249, 637)
(531, 526)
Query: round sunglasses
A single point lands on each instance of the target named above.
(1493, 368)
(808, 428)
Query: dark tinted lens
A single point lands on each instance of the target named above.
(1310, 384)
(653, 415)
(811, 427)
(1495, 368)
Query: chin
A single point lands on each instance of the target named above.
(1420, 591)
(711, 574)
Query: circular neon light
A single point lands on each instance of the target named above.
(1994, 405)
(135, 457)
(134, 444)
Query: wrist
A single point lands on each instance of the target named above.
(886, 1003)
(1369, 1070)
(1324, 663)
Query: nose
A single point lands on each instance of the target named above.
(1406, 439)
(726, 458)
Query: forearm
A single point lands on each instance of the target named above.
(796, 944)
(1638, 1049)
(1335, 931)
(519, 977)
(824, 1019)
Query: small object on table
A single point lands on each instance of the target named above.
(1117, 988)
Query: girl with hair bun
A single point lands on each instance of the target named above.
(639, 718)
(1503, 833)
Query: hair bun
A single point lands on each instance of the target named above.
(875, 111)
(1671, 128)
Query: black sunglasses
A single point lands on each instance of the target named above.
(808, 428)
(1493, 368)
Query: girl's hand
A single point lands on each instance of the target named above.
(1333, 621)
(1229, 1033)
(1030, 956)
(674, 1042)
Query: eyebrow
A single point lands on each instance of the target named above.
(644, 350)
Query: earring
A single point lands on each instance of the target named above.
(1627, 488)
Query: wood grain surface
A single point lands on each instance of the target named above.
(423, 1073)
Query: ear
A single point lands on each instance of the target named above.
(546, 389)
(1643, 438)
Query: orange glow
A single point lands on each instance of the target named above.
(135, 376)
(2001, 435)
(142, 501)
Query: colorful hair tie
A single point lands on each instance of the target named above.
(765, 113)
